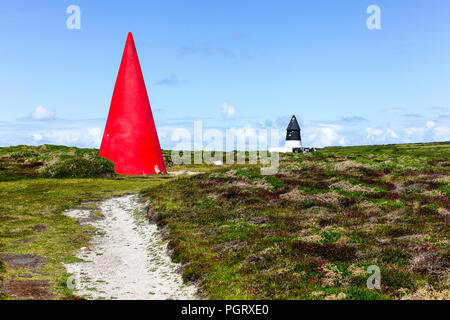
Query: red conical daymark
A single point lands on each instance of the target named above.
(130, 139)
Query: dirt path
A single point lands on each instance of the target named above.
(127, 258)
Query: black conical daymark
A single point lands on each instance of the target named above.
(293, 130)
(293, 125)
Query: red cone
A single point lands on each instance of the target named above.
(130, 140)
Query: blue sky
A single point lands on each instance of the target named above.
(231, 64)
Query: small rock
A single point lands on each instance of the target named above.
(333, 296)
(341, 296)
(259, 220)
(253, 259)
(318, 294)
(40, 228)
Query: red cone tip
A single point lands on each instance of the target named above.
(130, 139)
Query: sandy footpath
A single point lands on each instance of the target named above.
(127, 258)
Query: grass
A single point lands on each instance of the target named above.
(311, 231)
(26, 204)
(308, 232)
(31, 214)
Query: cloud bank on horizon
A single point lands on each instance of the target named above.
(43, 127)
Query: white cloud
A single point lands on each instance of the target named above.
(226, 139)
(322, 135)
(41, 113)
(37, 136)
(85, 137)
(381, 136)
(427, 132)
(227, 111)
(429, 124)
(247, 138)
(86, 133)
(441, 133)
(395, 110)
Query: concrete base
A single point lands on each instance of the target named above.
(293, 144)
(294, 150)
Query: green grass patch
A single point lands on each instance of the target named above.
(330, 236)
(249, 173)
(275, 182)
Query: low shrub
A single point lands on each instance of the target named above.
(392, 255)
(208, 203)
(330, 236)
(276, 182)
(250, 173)
(79, 168)
(329, 251)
